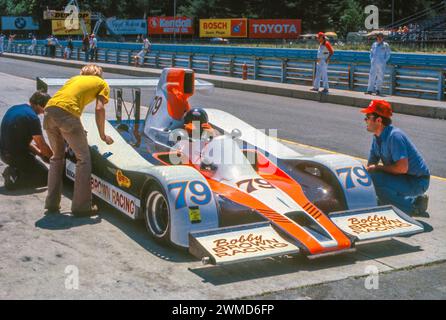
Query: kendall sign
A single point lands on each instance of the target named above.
(274, 28)
(170, 25)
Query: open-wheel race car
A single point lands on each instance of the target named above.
(236, 194)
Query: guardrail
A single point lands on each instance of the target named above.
(401, 80)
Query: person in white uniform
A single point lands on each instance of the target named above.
(379, 56)
(323, 57)
(32, 47)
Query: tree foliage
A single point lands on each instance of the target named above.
(331, 15)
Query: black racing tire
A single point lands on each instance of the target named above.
(157, 213)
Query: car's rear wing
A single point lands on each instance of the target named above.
(118, 85)
(136, 83)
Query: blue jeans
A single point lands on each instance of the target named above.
(399, 190)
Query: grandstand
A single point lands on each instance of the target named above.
(426, 25)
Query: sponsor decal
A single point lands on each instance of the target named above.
(118, 198)
(246, 244)
(274, 28)
(170, 25)
(223, 28)
(194, 214)
(122, 180)
(375, 224)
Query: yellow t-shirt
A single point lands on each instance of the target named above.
(79, 91)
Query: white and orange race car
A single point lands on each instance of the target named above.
(236, 195)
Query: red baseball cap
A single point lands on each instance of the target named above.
(320, 34)
(380, 107)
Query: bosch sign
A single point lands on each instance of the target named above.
(274, 28)
(223, 28)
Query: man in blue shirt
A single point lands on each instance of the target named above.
(403, 177)
(21, 139)
(379, 56)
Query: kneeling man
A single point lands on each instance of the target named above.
(21, 139)
(403, 177)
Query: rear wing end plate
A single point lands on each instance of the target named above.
(142, 83)
(239, 243)
(376, 223)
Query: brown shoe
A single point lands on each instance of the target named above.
(88, 213)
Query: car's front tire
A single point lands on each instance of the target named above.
(157, 213)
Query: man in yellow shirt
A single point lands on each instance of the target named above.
(62, 122)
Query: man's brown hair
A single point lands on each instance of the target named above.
(39, 98)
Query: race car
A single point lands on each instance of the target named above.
(234, 195)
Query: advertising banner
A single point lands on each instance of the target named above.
(227, 28)
(274, 28)
(130, 26)
(59, 28)
(170, 25)
(61, 15)
(19, 23)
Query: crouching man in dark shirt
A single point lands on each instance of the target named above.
(403, 177)
(21, 140)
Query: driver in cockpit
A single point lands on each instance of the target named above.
(199, 134)
(196, 123)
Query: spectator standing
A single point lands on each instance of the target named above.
(93, 48)
(68, 49)
(403, 177)
(2, 42)
(145, 49)
(51, 42)
(379, 56)
(86, 47)
(323, 58)
(10, 42)
(32, 47)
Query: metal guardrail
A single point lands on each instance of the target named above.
(401, 80)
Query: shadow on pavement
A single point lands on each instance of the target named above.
(64, 221)
(387, 248)
(21, 192)
(136, 231)
(220, 275)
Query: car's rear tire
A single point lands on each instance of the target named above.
(157, 213)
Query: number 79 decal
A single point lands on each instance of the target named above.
(354, 176)
(201, 194)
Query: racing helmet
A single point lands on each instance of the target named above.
(196, 114)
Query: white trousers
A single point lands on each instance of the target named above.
(32, 49)
(376, 77)
(321, 74)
